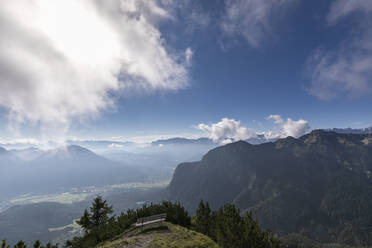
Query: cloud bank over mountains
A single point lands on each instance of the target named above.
(61, 60)
(288, 127)
(225, 131)
(230, 130)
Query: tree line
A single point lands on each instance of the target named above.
(22, 244)
(229, 229)
(226, 226)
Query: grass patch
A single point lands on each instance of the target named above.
(180, 237)
(117, 243)
(154, 229)
(166, 236)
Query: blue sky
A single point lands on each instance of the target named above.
(304, 60)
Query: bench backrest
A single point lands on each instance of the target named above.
(152, 217)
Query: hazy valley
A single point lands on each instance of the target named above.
(318, 186)
(63, 181)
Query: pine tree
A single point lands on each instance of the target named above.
(4, 245)
(229, 229)
(85, 221)
(49, 245)
(100, 212)
(96, 219)
(37, 244)
(229, 233)
(20, 244)
(203, 219)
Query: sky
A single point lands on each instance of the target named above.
(147, 69)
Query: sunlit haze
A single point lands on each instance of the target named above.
(186, 123)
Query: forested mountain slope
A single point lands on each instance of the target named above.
(318, 185)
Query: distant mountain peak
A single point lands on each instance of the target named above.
(27, 154)
(3, 150)
(319, 131)
(67, 152)
(76, 148)
(182, 141)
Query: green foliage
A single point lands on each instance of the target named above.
(203, 219)
(37, 244)
(225, 226)
(20, 244)
(95, 221)
(49, 245)
(231, 230)
(4, 244)
(98, 226)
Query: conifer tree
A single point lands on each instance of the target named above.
(96, 219)
(4, 245)
(229, 227)
(49, 245)
(100, 212)
(37, 244)
(203, 219)
(85, 221)
(20, 244)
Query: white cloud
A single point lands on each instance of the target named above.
(251, 18)
(230, 130)
(22, 141)
(277, 118)
(115, 146)
(191, 12)
(199, 18)
(227, 131)
(61, 60)
(341, 8)
(347, 69)
(287, 128)
(188, 55)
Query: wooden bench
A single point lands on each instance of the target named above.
(141, 222)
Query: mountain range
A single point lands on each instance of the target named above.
(36, 171)
(104, 145)
(367, 130)
(182, 141)
(318, 185)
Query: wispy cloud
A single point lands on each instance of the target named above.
(188, 54)
(191, 12)
(347, 69)
(22, 141)
(342, 8)
(61, 60)
(251, 18)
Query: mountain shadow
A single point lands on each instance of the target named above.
(319, 185)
